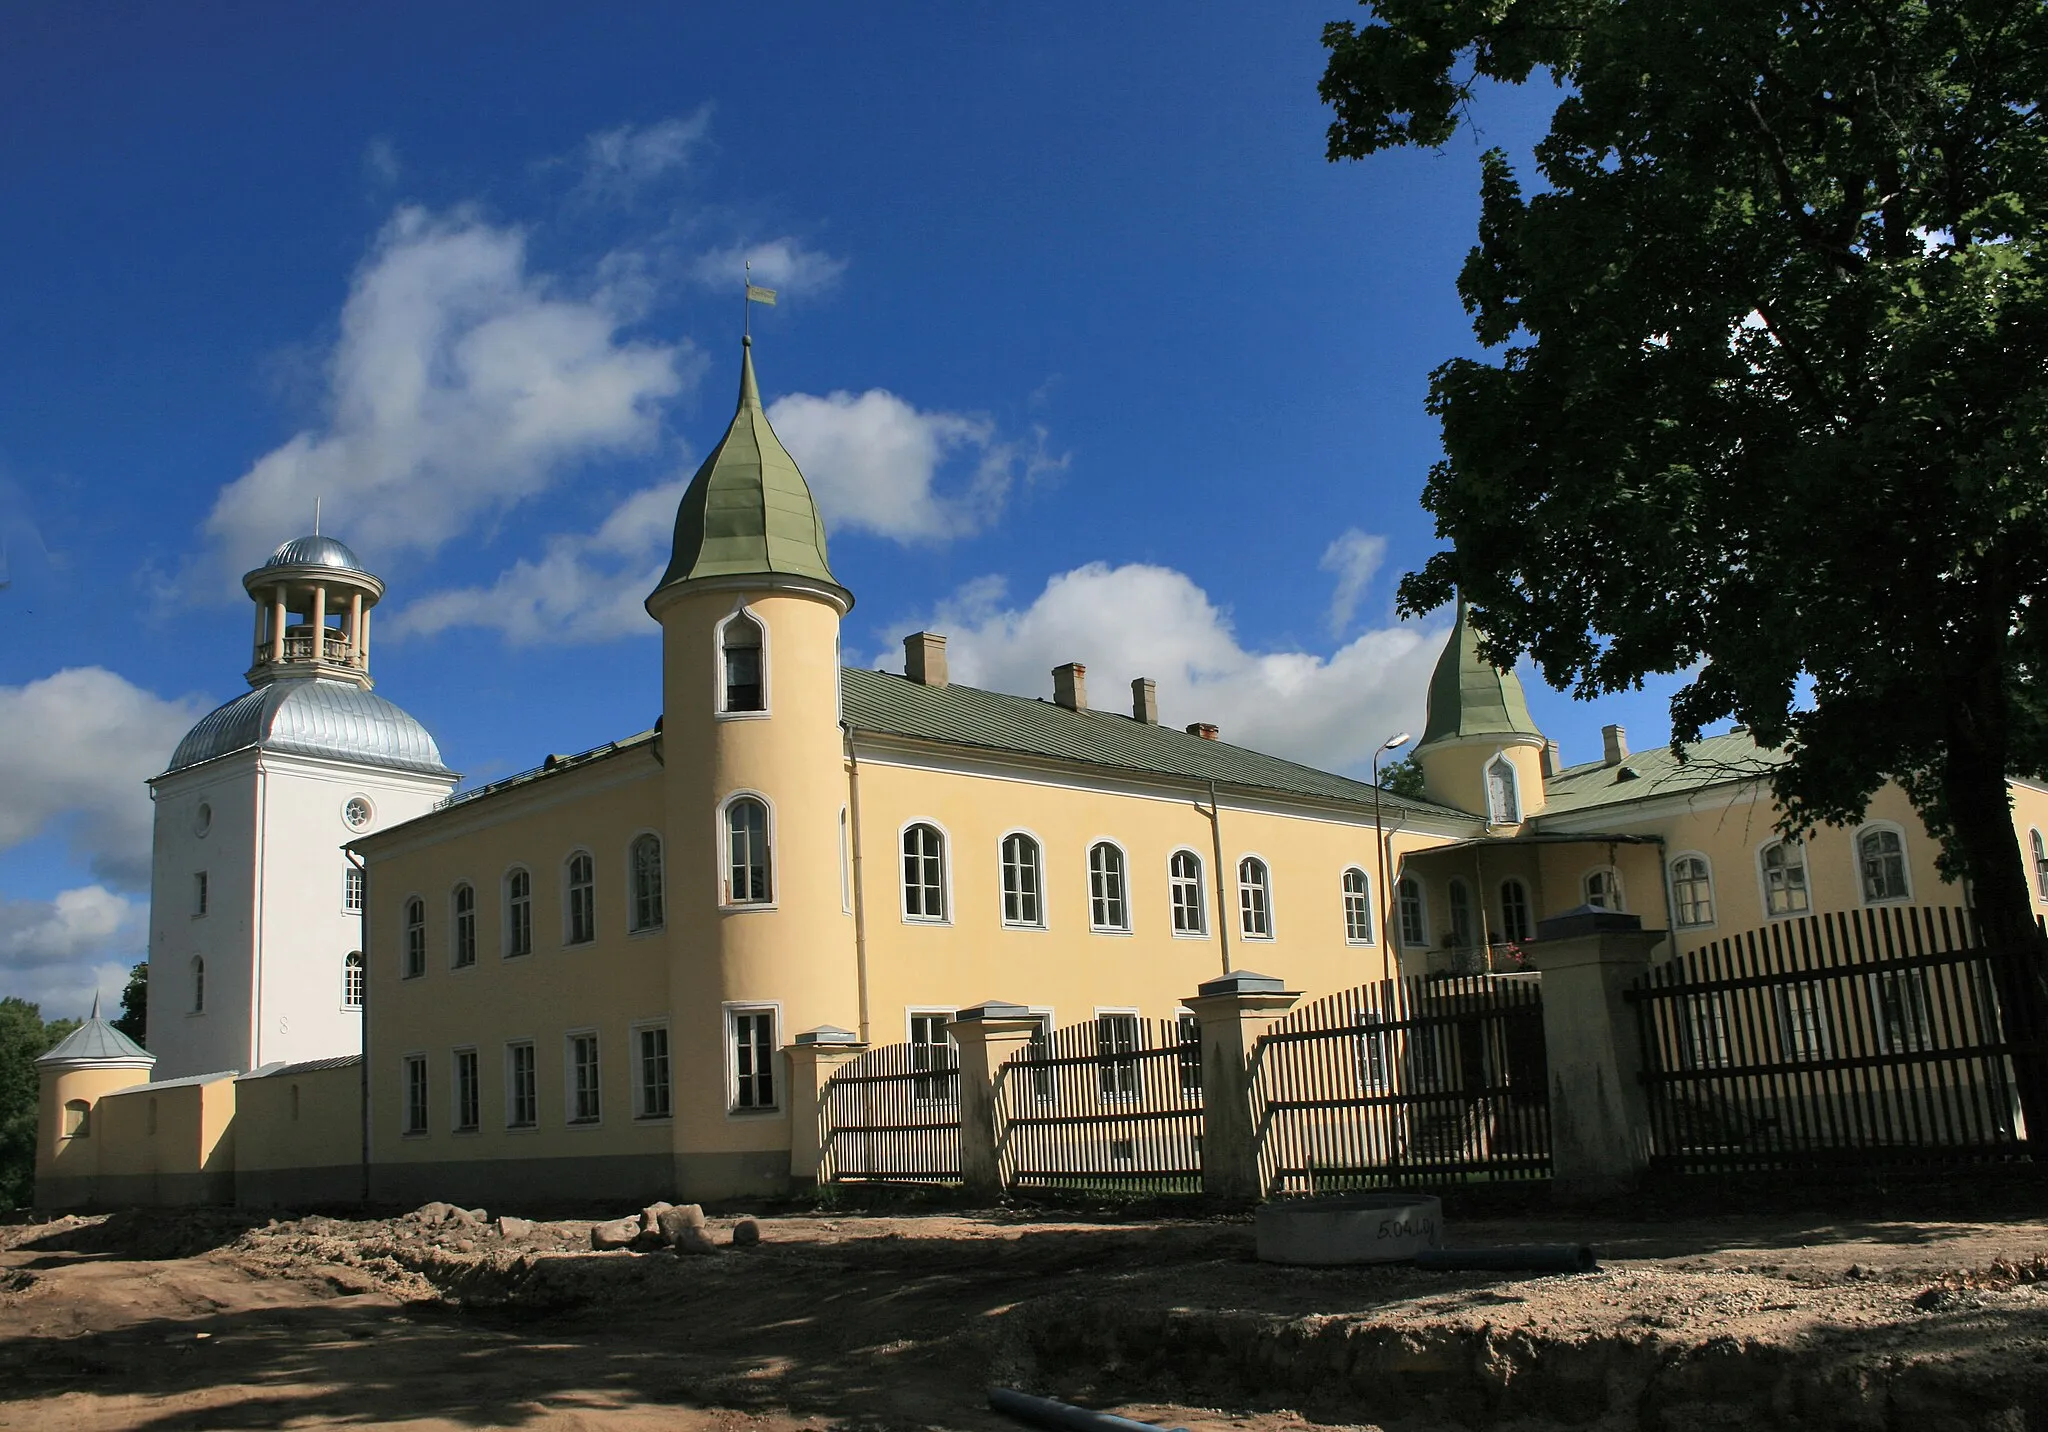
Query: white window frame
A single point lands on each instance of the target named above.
(508, 904)
(411, 1060)
(945, 874)
(1677, 906)
(1763, 879)
(1795, 1040)
(532, 1046)
(1500, 891)
(569, 896)
(455, 1110)
(1345, 894)
(1880, 827)
(722, 870)
(731, 1011)
(1201, 929)
(1415, 883)
(570, 1069)
(1514, 789)
(1105, 1063)
(1272, 930)
(718, 683)
(1103, 842)
(633, 922)
(352, 964)
(353, 884)
(943, 1086)
(2037, 851)
(455, 930)
(635, 1034)
(409, 967)
(1042, 920)
(1613, 877)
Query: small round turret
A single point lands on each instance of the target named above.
(318, 581)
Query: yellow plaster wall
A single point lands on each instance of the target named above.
(1454, 771)
(63, 1157)
(168, 1143)
(271, 1134)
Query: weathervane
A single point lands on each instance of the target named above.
(755, 294)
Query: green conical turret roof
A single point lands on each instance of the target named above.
(98, 1042)
(1470, 697)
(748, 511)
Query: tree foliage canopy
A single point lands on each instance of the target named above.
(1771, 400)
(24, 1038)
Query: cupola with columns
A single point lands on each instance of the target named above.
(313, 602)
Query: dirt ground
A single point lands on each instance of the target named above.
(213, 1320)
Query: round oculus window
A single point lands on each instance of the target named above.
(357, 813)
(202, 819)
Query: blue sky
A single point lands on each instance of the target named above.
(1087, 351)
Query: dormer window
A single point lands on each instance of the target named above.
(740, 647)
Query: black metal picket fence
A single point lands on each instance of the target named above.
(1115, 1102)
(892, 1115)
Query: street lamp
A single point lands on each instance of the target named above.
(1392, 743)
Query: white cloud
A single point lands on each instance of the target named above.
(1328, 711)
(380, 161)
(1355, 557)
(461, 384)
(57, 953)
(78, 746)
(877, 464)
(783, 264)
(617, 162)
(585, 587)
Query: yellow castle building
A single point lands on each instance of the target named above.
(612, 976)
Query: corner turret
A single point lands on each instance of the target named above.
(1480, 750)
(91, 1062)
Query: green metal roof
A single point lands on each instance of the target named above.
(1710, 762)
(96, 1040)
(881, 702)
(748, 510)
(1470, 697)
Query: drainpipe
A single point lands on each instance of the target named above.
(363, 1022)
(1215, 814)
(860, 916)
(1485, 926)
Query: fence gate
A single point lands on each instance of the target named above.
(1412, 1081)
(1860, 1037)
(1115, 1102)
(892, 1115)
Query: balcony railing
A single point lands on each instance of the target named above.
(1500, 958)
(298, 646)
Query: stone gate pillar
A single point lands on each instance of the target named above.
(814, 1058)
(1233, 1011)
(987, 1034)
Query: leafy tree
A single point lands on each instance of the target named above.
(1771, 400)
(1403, 778)
(23, 1039)
(134, 1017)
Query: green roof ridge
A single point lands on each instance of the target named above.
(1469, 696)
(748, 511)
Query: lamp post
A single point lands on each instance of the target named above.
(1392, 743)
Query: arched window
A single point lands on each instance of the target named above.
(924, 873)
(1784, 867)
(1692, 890)
(1515, 925)
(1184, 884)
(518, 914)
(749, 877)
(1357, 907)
(415, 938)
(465, 925)
(740, 650)
(582, 903)
(76, 1115)
(198, 985)
(1882, 855)
(647, 905)
(1461, 915)
(1503, 804)
(1108, 909)
(1254, 899)
(2040, 863)
(1023, 881)
(352, 980)
(1602, 888)
(1414, 918)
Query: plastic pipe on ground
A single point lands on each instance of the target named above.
(1044, 1412)
(1513, 1258)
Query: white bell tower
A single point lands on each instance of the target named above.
(255, 942)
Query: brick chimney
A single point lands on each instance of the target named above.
(1145, 701)
(1203, 729)
(924, 658)
(1613, 745)
(1070, 686)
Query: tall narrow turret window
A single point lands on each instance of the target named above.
(1357, 907)
(924, 873)
(1254, 899)
(1023, 881)
(647, 901)
(464, 953)
(1414, 919)
(582, 898)
(1107, 907)
(749, 880)
(1784, 865)
(2040, 863)
(1503, 806)
(415, 938)
(1514, 911)
(518, 914)
(741, 646)
(1184, 883)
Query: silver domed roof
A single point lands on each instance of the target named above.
(312, 716)
(315, 552)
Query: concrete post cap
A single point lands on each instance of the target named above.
(1587, 920)
(1241, 982)
(991, 1009)
(828, 1034)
